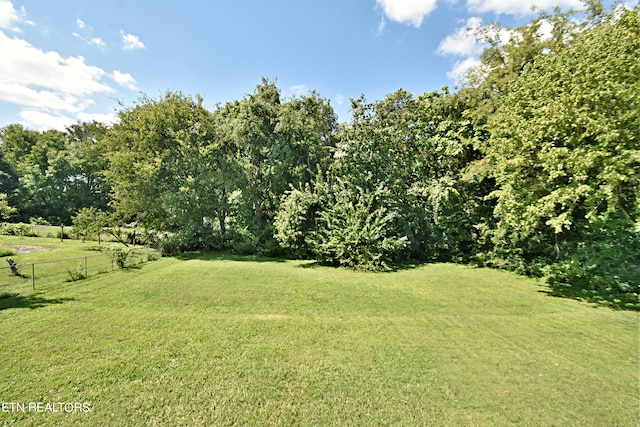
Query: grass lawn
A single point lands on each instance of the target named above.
(56, 261)
(216, 340)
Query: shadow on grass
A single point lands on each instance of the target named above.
(13, 300)
(627, 302)
(225, 256)
(395, 268)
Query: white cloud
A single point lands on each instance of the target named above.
(98, 42)
(545, 30)
(464, 41)
(469, 41)
(48, 86)
(87, 30)
(407, 11)
(95, 41)
(52, 90)
(519, 7)
(299, 90)
(9, 16)
(43, 120)
(462, 67)
(340, 99)
(29, 66)
(109, 118)
(131, 42)
(124, 79)
(23, 95)
(382, 25)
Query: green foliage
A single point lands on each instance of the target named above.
(190, 239)
(563, 156)
(76, 274)
(6, 252)
(604, 265)
(280, 144)
(121, 256)
(565, 140)
(19, 229)
(153, 153)
(38, 220)
(89, 223)
(56, 174)
(356, 228)
(8, 181)
(296, 219)
(6, 211)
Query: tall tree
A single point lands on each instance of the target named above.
(280, 144)
(87, 148)
(564, 145)
(156, 156)
(398, 166)
(8, 177)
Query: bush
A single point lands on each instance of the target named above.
(20, 229)
(75, 275)
(190, 239)
(38, 220)
(605, 265)
(357, 229)
(243, 241)
(60, 235)
(121, 256)
(6, 252)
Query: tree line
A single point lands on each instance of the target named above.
(533, 165)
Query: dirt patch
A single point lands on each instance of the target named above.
(25, 249)
(271, 316)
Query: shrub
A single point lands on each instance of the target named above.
(357, 229)
(20, 229)
(77, 274)
(243, 241)
(604, 265)
(121, 256)
(38, 220)
(6, 252)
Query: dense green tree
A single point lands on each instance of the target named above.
(158, 153)
(89, 223)
(8, 177)
(403, 157)
(86, 147)
(564, 144)
(280, 144)
(45, 172)
(6, 210)
(58, 173)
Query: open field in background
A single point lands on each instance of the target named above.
(55, 231)
(57, 261)
(221, 340)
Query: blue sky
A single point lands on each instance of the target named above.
(67, 60)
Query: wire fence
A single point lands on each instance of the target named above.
(20, 277)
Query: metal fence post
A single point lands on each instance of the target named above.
(86, 273)
(33, 276)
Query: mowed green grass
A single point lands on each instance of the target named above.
(56, 261)
(214, 340)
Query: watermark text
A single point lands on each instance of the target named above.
(44, 407)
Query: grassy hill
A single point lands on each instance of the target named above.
(218, 340)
